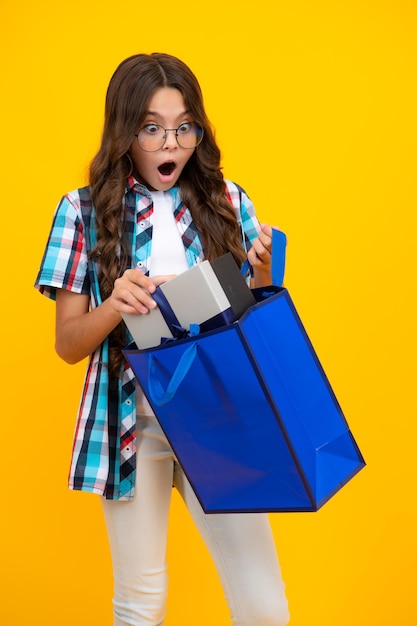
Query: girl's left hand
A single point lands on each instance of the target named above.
(260, 257)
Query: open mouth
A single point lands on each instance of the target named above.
(166, 169)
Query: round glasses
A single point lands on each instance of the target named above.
(152, 137)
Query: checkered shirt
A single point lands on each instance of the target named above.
(104, 447)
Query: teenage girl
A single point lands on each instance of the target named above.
(156, 204)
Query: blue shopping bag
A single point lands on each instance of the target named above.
(250, 413)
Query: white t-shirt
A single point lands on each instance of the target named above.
(167, 257)
(168, 253)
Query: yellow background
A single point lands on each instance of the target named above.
(314, 104)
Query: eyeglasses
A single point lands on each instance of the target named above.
(152, 137)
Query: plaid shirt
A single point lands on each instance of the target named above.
(104, 450)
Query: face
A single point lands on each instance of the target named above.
(161, 170)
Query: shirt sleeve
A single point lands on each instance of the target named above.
(64, 264)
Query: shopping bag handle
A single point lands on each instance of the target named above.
(168, 314)
(158, 395)
(279, 244)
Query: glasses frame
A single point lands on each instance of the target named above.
(172, 130)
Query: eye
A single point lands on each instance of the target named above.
(185, 128)
(151, 129)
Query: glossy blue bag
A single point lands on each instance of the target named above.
(250, 413)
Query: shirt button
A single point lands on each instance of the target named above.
(142, 224)
(128, 402)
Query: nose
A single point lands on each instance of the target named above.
(170, 138)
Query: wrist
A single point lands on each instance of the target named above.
(262, 276)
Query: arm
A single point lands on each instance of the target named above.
(80, 331)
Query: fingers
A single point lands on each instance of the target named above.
(132, 292)
(260, 253)
(158, 280)
(266, 230)
(265, 237)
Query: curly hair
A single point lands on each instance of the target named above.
(202, 186)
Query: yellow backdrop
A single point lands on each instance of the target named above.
(314, 104)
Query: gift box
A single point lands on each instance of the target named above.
(249, 411)
(214, 292)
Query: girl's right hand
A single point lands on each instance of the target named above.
(80, 330)
(132, 292)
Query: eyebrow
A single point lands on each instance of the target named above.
(155, 114)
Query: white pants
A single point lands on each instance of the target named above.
(241, 545)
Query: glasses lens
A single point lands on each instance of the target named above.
(151, 137)
(189, 135)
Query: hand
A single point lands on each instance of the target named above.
(259, 256)
(132, 292)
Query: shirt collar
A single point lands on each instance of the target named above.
(133, 185)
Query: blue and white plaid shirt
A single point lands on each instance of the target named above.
(104, 449)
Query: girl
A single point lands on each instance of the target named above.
(156, 205)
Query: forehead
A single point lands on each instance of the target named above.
(166, 103)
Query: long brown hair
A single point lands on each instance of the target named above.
(201, 184)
